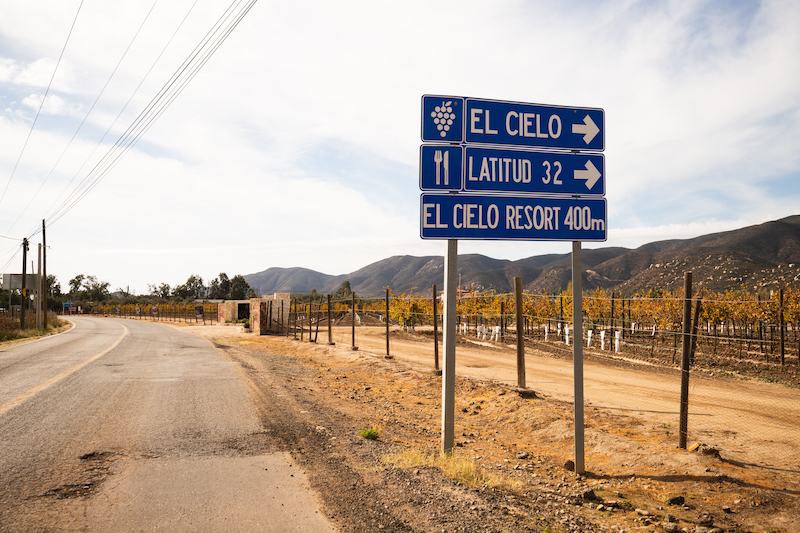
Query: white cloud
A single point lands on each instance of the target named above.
(53, 105)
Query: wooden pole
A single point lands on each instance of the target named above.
(39, 292)
(520, 332)
(330, 324)
(310, 325)
(687, 342)
(354, 347)
(24, 288)
(44, 276)
(387, 321)
(780, 324)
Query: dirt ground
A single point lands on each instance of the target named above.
(514, 444)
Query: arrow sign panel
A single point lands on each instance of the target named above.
(541, 126)
(533, 171)
(526, 218)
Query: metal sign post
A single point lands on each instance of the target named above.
(449, 346)
(577, 354)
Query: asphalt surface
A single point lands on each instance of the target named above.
(133, 426)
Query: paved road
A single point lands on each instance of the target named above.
(132, 426)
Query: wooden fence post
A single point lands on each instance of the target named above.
(354, 347)
(330, 324)
(387, 322)
(780, 323)
(687, 318)
(520, 331)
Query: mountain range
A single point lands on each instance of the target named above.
(761, 257)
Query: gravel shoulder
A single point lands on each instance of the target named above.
(508, 472)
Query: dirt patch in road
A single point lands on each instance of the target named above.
(512, 449)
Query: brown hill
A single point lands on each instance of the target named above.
(761, 257)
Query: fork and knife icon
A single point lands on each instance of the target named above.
(442, 161)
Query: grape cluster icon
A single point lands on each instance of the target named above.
(443, 117)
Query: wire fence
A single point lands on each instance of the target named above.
(759, 341)
(745, 332)
(205, 314)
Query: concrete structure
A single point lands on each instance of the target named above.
(268, 314)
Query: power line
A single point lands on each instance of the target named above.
(41, 105)
(130, 98)
(86, 116)
(183, 75)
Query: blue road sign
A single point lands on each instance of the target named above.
(440, 167)
(541, 126)
(513, 171)
(442, 118)
(533, 171)
(527, 218)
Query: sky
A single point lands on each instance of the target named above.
(296, 144)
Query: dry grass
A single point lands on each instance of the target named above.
(10, 327)
(457, 466)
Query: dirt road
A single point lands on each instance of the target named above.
(748, 429)
(752, 421)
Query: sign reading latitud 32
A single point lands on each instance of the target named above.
(504, 170)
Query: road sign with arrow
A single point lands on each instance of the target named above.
(533, 171)
(534, 125)
(507, 170)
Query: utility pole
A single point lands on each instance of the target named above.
(39, 292)
(44, 278)
(24, 271)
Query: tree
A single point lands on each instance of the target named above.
(181, 291)
(195, 286)
(53, 287)
(224, 285)
(159, 291)
(125, 292)
(344, 291)
(239, 288)
(96, 290)
(213, 289)
(75, 284)
(220, 287)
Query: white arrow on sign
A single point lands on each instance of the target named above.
(589, 129)
(591, 174)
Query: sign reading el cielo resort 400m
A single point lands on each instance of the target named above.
(511, 170)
